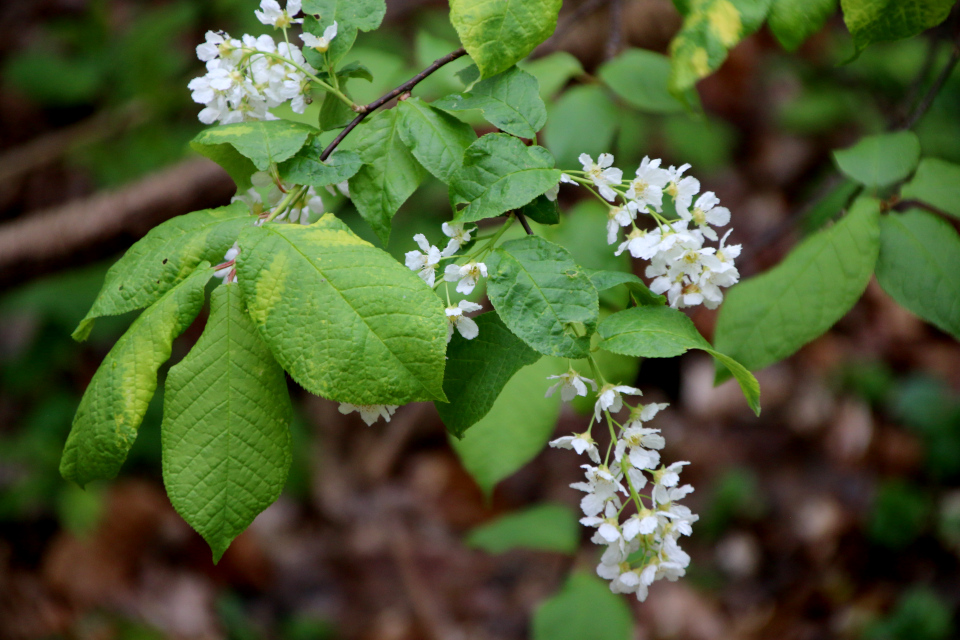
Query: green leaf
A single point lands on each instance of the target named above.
(664, 332)
(499, 174)
(306, 167)
(641, 78)
(553, 72)
(710, 29)
(164, 257)
(477, 371)
(390, 173)
(872, 21)
(793, 22)
(515, 430)
(603, 280)
(263, 142)
(335, 113)
(585, 609)
(344, 318)
(542, 210)
(936, 183)
(545, 527)
(919, 266)
(583, 120)
(237, 167)
(225, 435)
(543, 296)
(880, 160)
(434, 137)
(509, 101)
(116, 399)
(499, 33)
(365, 15)
(768, 317)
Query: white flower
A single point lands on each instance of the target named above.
(552, 192)
(271, 14)
(458, 235)
(457, 320)
(706, 212)
(602, 174)
(639, 242)
(601, 487)
(618, 217)
(666, 478)
(642, 524)
(467, 274)
(579, 442)
(369, 413)
(322, 43)
(610, 399)
(424, 261)
(229, 272)
(680, 189)
(646, 190)
(637, 439)
(573, 385)
(645, 413)
(567, 179)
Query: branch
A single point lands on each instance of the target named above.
(88, 229)
(526, 225)
(382, 100)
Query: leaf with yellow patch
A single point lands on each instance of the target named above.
(344, 318)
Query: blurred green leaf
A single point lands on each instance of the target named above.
(880, 160)
(641, 78)
(553, 72)
(872, 21)
(792, 22)
(936, 183)
(582, 120)
(900, 513)
(547, 527)
(584, 609)
(55, 80)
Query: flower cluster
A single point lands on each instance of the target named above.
(688, 272)
(369, 413)
(427, 260)
(247, 77)
(642, 547)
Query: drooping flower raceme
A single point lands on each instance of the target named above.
(681, 266)
(639, 535)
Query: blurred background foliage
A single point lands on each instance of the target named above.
(868, 416)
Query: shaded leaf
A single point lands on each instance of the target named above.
(477, 370)
(542, 210)
(603, 280)
(553, 71)
(582, 120)
(306, 168)
(793, 22)
(641, 78)
(880, 160)
(936, 183)
(584, 609)
(872, 21)
(545, 527)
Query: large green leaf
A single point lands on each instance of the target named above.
(792, 22)
(164, 257)
(567, 134)
(880, 160)
(307, 168)
(390, 173)
(919, 266)
(510, 101)
(664, 332)
(116, 399)
(434, 137)
(238, 167)
(642, 79)
(264, 142)
(477, 370)
(768, 317)
(515, 430)
(499, 174)
(225, 435)
(344, 318)
(937, 183)
(710, 29)
(545, 527)
(584, 609)
(543, 296)
(872, 21)
(365, 15)
(499, 33)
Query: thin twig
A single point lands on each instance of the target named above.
(616, 29)
(384, 99)
(935, 88)
(526, 225)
